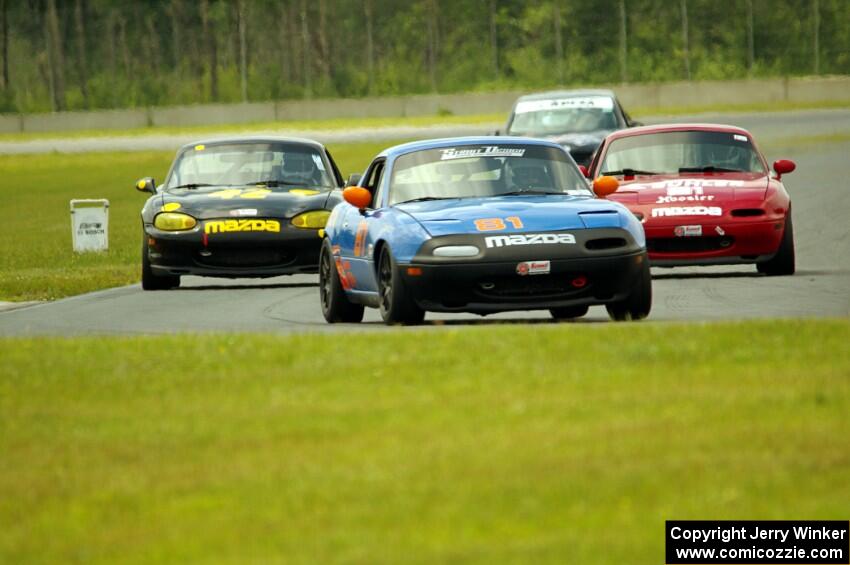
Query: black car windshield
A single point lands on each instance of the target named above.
(278, 166)
(683, 152)
(562, 116)
(468, 171)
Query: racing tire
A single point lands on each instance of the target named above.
(151, 281)
(395, 303)
(568, 312)
(784, 262)
(638, 303)
(336, 308)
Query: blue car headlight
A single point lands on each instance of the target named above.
(456, 251)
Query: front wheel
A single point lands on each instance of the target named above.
(396, 304)
(638, 303)
(150, 280)
(784, 262)
(336, 307)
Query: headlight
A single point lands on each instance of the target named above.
(174, 221)
(456, 251)
(313, 220)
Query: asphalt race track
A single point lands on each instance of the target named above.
(765, 125)
(821, 287)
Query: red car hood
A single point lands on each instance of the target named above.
(693, 189)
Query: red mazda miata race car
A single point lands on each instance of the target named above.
(704, 194)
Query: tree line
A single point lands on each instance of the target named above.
(86, 54)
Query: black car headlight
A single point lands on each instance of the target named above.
(174, 221)
(312, 220)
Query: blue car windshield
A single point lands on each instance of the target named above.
(468, 171)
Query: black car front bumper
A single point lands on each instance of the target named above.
(249, 254)
(496, 287)
(580, 274)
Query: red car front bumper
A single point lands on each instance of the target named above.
(720, 243)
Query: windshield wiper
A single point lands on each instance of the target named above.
(192, 185)
(530, 191)
(628, 172)
(709, 169)
(274, 182)
(426, 198)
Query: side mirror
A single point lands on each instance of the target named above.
(357, 196)
(584, 171)
(146, 184)
(635, 124)
(497, 132)
(353, 180)
(605, 186)
(783, 167)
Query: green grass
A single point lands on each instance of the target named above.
(564, 444)
(36, 260)
(348, 123)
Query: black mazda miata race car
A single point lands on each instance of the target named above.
(243, 207)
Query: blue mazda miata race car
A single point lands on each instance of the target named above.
(481, 225)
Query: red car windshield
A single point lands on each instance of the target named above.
(682, 152)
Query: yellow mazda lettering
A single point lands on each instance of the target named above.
(227, 226)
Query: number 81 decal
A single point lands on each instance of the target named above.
(497, 224)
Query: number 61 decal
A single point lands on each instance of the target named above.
(497, 224)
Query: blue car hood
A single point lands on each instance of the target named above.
(536, 213)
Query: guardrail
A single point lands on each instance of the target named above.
(660, 95)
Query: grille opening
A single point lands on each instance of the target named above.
(535, 286)
(747, 212)
(688, 244)
(605, 243)
(241, 257)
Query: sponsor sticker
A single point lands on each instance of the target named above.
(529, 239)
(533, 268)
(601, 102)
(693, 183)
(248, 194)
(242, 212)
(738, 137)
(687, 193)
(687, 231)
(90, 228)
(227, 226)
(486, 151)
(687, 211)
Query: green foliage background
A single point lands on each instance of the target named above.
(155, 52)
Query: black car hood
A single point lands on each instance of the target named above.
(253, 201)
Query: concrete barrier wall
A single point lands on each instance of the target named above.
(645, 96)
(11, 123)
(99, 119)
(213, 114)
